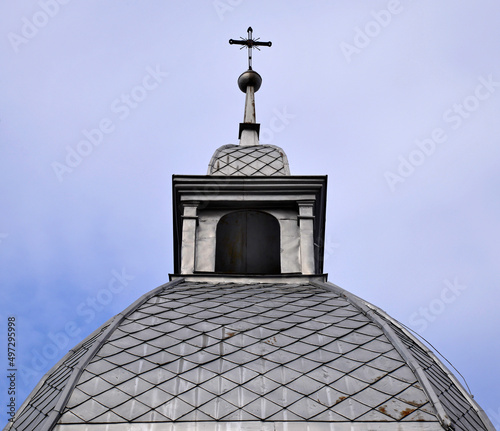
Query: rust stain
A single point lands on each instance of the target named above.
(382, 409)
(229, 334)
(271, 341)
(339, 399)
(406, 412)
(414, 404)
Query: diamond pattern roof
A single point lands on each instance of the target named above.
(229, 352)
(42, 401)
(237, 352)
(266, 160)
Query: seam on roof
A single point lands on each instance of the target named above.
(71, 352)
(286, 165)
(56, 413)
(398, 345)
(482, 415)
(215, 156)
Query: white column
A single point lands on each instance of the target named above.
(206, 235)
(189, 223)
(306, 226)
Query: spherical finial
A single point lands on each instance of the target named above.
(250, 78)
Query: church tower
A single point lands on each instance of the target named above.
(248, 216)
(248, 334)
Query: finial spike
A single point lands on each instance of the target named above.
(249, 82)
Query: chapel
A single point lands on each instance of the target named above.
(248, 333)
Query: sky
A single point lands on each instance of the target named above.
(397, 101)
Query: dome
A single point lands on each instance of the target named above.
(250, 160)
(246, 355)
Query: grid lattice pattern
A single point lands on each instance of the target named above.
(264, 160)
(233, 352)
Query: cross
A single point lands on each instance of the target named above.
(250, 43)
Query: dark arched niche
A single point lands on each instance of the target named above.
(248, 242)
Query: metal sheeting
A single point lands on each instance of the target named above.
(34, 412)
(463, 416)
(204, 355)
(233, 352)
(254, 160)
(261, 426)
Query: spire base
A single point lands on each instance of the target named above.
(249, 126)
(249, 136)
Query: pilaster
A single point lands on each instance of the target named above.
(306, 226)
(188, 247)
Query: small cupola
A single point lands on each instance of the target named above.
(249, 215)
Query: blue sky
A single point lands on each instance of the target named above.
(396, 101)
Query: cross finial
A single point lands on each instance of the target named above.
(250, 43)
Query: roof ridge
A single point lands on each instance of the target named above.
(366, 308)
(55, 414)
(74, 350)
(469, 397)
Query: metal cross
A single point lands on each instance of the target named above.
(250, 43)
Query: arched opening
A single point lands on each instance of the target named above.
(248, 242)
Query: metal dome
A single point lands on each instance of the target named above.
(247, 355)
(255, 160)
